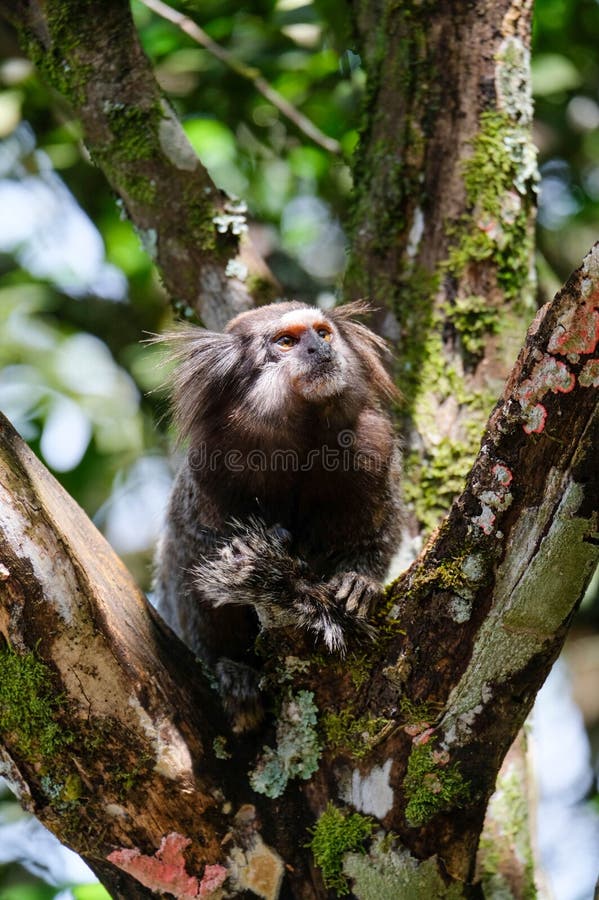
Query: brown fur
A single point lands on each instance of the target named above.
(306, 543)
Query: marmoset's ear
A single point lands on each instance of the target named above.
(206, 367)
(368, 346)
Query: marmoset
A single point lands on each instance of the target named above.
(286, 509)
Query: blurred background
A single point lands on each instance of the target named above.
(77, 291)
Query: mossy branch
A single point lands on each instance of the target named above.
(103, 713)
(90, 53)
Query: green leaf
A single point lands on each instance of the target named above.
(553, 73)
(213, 142)
(90, 892)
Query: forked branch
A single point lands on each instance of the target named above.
(111, 736)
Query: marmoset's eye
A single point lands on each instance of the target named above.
(286, 341)
(324, 333)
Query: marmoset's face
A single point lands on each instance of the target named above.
(306, 349)
(278, 370)
(299, 356)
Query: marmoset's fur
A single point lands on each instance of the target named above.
(287, 504)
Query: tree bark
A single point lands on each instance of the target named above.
(443, 219)
(114, 740)
(101, 738)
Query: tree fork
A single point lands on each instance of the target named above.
(114, 740)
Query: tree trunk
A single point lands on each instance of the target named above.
(442, 232)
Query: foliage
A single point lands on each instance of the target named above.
(564, 69)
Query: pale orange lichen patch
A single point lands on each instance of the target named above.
(589, 377)
(259, 869)
(165, 871)
(549, 374)
(577, 331)
(416, 729)
(424, 737)
(440, 757)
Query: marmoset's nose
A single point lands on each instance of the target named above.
(311, 342)
(316, 344)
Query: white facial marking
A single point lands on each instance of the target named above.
(306, 317)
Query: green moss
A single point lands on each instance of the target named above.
(347, 733)
(497, 176)
(357, 665)
(140, 188)
(59, 61)
(200, 217)
(387, 625)
(413, 304)
(134, 130)
(29, 708)
(431, 784)
(434, 481)
(335, 834)
(413, 713)
(133, 139)
(460, 575)
(30, 720)
(473, 319)
(126, 780)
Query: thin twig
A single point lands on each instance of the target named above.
(199, 35)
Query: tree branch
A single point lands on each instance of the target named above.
(90, 53)
(424, 720)
(487, 607)
(103, 714)
(446, 157)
